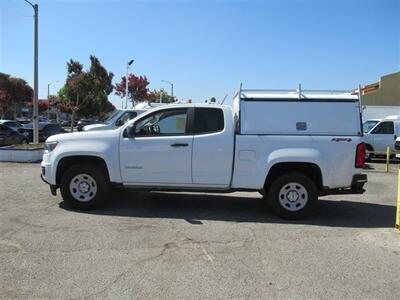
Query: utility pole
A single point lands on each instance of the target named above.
(161, 92)
(48, 98)
(172, 87)
(128, 64)
(35, 109)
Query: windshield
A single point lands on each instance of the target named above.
(368, 125)
(112, 117)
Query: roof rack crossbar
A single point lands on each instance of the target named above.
(296, 91)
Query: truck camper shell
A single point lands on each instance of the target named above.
(297, 112)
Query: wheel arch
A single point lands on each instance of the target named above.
(68, 161)
(311, 170)
(369, 147)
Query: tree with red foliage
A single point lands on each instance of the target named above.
(137, 88)
(13, 92)
(43, 105)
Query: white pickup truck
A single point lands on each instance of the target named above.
(291, 147)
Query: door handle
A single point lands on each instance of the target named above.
(179, 145)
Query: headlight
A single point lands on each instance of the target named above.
(50, 146)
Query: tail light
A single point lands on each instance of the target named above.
(360, 156)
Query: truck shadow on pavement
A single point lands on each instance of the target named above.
(195, 208)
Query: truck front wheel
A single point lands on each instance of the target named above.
(292, 196)
(85, 186)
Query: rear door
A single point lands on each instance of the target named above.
(212, 148)
(383, 135)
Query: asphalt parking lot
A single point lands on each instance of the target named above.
(195, 246)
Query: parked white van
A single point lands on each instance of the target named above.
(380, 133)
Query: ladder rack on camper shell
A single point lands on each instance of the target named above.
(299, 93)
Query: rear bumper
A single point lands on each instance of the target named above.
(397, 148)
(357, 187)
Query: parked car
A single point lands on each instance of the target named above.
(12, 124)
(45, 130)
(84, 122)
(9, 136)
(23, 120)
(44, 119)
(67, 123)
(290, 148)
(381, 133)
(116, 119)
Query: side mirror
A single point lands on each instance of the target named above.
(119, 123)
(131, 131)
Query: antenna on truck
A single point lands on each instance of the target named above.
(222, 102)
(359, 97)
(299, 91)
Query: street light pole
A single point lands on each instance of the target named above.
(35, 109)
(126, 81)
(161, 93)
(48, 98)
(172, 87)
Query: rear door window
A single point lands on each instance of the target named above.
(208, 120)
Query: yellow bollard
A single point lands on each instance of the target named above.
(387, 158)
(398, 203)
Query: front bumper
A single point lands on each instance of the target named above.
(53, 188)
(357, 187)
(47, 175)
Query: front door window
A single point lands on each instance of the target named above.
(163, 123)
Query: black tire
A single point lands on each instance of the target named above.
(98, 185)
(296, 185)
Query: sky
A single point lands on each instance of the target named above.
(207, 48)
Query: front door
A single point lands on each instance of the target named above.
(160, 153)
(384, 136)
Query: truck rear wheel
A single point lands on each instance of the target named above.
(85, 186)
(292, 196)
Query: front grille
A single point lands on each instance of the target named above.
(397, 145)
(43, 171)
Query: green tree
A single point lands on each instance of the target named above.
(86, 92)
(156, 95)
